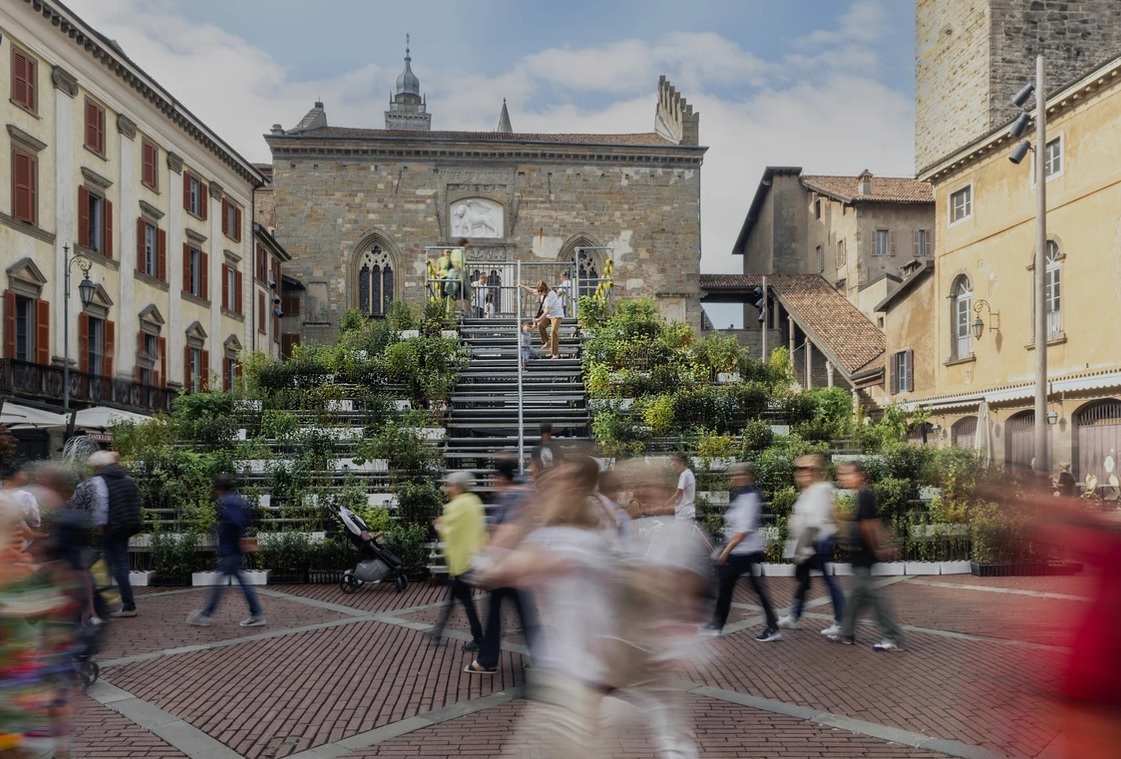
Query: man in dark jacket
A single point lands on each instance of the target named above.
(116, 505)
(233, 520)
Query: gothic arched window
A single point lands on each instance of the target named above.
(375, 282)
(587, 272)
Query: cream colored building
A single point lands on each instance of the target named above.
(983, 279)
(106, 164)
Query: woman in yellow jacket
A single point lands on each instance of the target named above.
(463, 530)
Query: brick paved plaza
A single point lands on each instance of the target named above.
(337, 675)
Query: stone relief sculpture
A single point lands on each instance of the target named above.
(476, 217)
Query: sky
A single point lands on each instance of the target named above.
(823, 84)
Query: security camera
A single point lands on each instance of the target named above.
(1020, 151)
(276, 299)
(272, 284)
(277, 313)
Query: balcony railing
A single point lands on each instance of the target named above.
(22, 378)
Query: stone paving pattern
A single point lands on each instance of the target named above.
(983, 658)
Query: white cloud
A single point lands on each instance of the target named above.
(817, 107)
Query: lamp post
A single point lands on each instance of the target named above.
(86, 290)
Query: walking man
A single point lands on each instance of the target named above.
(233, 520)
(479, 295)
(546, 454)
(683, 499)
(463, 529)
(742, 553)
(871, 546)
(115, 496)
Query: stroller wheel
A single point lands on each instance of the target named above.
(401, 582)
(88, 672)
(350, 583)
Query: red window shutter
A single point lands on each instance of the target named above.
(225, 218)
(237, 294)
(23, 187)
(161, 254)
(204, 371)
(150, 157)
(162, 380)
(187, 368)
(83, 341)
(99, 114)
(187, 267)
(237, 224)
(187, 190)
(19, 77)
(225, 286)
(83, 217)
(30, 82)
(204, 267)
(260, 311)
(141, 248)
(110, 346)
(9, 324)
(227, 385)
(91, 125)
(42, 332)
(203, 201)
(108, 212)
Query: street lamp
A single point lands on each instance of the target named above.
(978, 325)
(86, 290)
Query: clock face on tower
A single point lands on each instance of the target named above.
(478, 218)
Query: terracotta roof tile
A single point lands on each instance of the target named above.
(640, 138)
(884, 189)
(835, 325)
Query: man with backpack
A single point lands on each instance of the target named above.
(115, 506)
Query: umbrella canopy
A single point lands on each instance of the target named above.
(982, 438)
(103, 417)
(15, 415)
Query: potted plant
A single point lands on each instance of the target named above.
(328, 560)
(174, 557)
(286, 555)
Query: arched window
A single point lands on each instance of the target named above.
(375, 282)
(1052, 289)
(961, 304)
(587, 271)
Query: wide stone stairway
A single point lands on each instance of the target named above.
(483, 413)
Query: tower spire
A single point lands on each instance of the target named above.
(407, 108)
(504, 126)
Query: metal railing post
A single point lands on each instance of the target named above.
(518, 358)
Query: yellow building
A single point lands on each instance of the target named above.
(106, 165)
(982, 284)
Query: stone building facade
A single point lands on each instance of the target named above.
(971, 56)
(357, 208)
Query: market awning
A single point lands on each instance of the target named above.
(15, 415)
(103, 417)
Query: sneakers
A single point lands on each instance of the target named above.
(127, 611)
(257, 620)
(838, 638)
(788, 622)
(198, 619)
(769, 636)
(887, 645)
(471, 645)
(710, 631)
(833, 631)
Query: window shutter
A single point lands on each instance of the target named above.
(237, 224)
(29, 70)
(237, 294)
(910, 371)
(91, 125)
(83, 217)
(110, 346)
(42, 332)
(19, 77)
(225, 286)
(187, 190)
(227, 384)
(204, 371)
(9, 324)
(915, 241)
(203, 201)
(23, 187)
(260, 311)
(83, 342)
(204, 268)
(187, 368)
(891, 243)
(140, 349)
(107, 207)
(162, 380)
(225, 218)
(186, 267)
(894, 368)
(161, 254)
(141, 248)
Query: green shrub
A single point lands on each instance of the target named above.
(331, 554)
(409, 543)
(657, 413)
(400, 317)
(177, 555)
(286, 553)
(782, 501)
(418, 502)
(1003, 534)
(757, 435)
(893, 496)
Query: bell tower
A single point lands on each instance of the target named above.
(408, 109)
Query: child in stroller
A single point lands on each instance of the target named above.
(375, 563)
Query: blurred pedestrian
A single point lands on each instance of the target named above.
(546, 453)
(463, 530)
(742, 553)
(15, 486)
(564, 292)
(479, 294)
(115, 495)
(525, 344)
(234, 519)
(812, 530)
(871, 546)
(683, 500)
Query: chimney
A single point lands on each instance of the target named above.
(864, 183)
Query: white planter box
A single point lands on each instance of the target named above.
(778, 570)
(889, 569)
(264, 538)
(403, 405)
(927, 493)
(256, 466)
(242, 435)
(140, 579)
(248, 405)
(381, 499)
(453, 334)
(140, 541)
(428, 433)
(727, 377)
(256, 576)
(955, 568)
(207, 579)
(841, 570)
(340, 406)
(406, 334)
(780, 429)
(264, 501)
(714, 497)
(923, 568)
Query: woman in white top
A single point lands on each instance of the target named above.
(550, 311)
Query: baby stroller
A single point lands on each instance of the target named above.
(375, 563)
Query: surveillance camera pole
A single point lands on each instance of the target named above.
(1042, 465)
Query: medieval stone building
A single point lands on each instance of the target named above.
(361, 210)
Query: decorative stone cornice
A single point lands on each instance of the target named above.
(96, 179)
(25, 139)
(149, 210)
(216, 191)
(195, 237)
(174, 162)
(126, 126)
(65, 81)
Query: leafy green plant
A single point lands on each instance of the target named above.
(657, 413)
(409, 543)
(404, 450)
(286, 553)
(400, 317)
(418, 502)
(1003, 534)
(755, 436)
(782, 501)
(331, 554)
(717, 354)
(176, 555)
(712, 445)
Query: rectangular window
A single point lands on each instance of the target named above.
(151, 250)
(150, 348)
(820, 262)
(290, 303)
(194, 190)
(817, 208)
(961, 204)
(842, 257)
(262, 314)
(26, 326)
(150, 154)
(922, 243)
(231, 221)
(883, 242)
(1053, 158)
(902, 369)
(262, 265)
(95, 345)
(25, 183)
(194, 266)
(25, 80)
(195, 368)
(229, 373)
(95, 127)
(95, 212)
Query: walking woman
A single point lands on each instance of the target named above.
(550, 311)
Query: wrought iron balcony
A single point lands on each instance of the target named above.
(44, 383)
